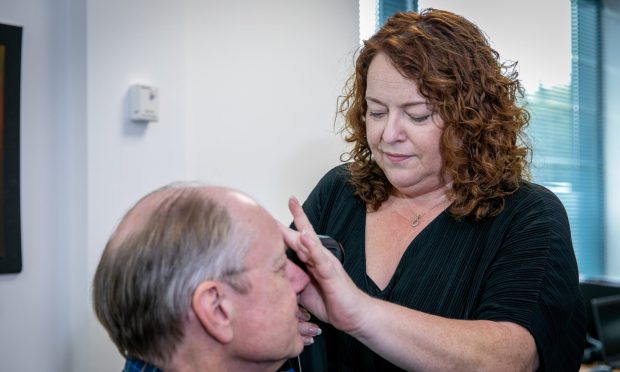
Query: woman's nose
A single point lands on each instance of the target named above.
(393, 130)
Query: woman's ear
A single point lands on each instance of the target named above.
(214, 310)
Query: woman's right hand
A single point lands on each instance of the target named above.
(307, 329)
(331, 295)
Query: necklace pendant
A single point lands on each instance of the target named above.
(416, 222)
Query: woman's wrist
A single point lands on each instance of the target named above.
(366, 310)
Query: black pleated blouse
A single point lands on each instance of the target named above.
(518, 266)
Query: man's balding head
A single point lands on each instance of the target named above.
(197, 275)
(170, 241)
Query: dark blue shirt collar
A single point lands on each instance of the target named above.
(136, 365)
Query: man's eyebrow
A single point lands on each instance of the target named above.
(233, 272)
(281, 259)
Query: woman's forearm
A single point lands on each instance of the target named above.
(415, 340)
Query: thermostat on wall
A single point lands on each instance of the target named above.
(144, 103)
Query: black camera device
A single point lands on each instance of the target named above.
(328, 242)
(333, 246)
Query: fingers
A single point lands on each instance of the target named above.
(301, 220)
(309, 247)
(308, 331)
(306, 244)
(291, 239)
(311, 241)
(303, 314)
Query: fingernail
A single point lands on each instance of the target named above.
(303, 315)
(308, 340)
(315, 330)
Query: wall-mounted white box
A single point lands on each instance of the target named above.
(144, 103)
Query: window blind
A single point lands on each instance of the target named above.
(386, 8)
(565, 129)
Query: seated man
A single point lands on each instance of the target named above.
(195, 278)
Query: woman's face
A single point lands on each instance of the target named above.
(402, 130)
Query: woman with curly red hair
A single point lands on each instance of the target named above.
(453, 259)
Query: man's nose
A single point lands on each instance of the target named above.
(299, 279)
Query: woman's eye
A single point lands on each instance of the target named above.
(419, 119)
(376, 114)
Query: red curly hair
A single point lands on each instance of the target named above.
(483, 146)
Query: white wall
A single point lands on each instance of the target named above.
(611, 120)
(247, 99)
(129, 42)
(36, 325)
(261, 100)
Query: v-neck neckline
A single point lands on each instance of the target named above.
(370, 285)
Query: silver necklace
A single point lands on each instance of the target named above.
(416, 221)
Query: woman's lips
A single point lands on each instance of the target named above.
(396, 158)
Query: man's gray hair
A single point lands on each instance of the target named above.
(144, 283)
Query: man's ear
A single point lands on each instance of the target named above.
(214, 310)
